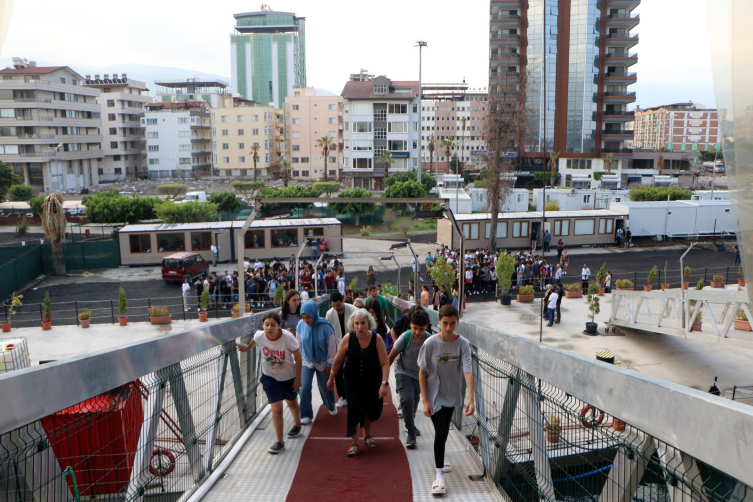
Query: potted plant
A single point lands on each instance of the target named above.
(46, 311)
(700, 284)
(741, 279)
(236, 310)
(84, 317)
(741, 321)
(665, 285)
(525, 294)
(686, 275)
(11, 311)
(122, 307)
(203, 303)
(505, 269)
(601, 278)
(698, 323)
(593, 308)
(553, 429)
(279, 296)
(160, 315)
(624, 284)
(651, 278)
(573, 290)
(717, 281)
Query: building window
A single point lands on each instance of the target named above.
(255, 239)
(397, 109)
(606, 225)
(223, 118)
(254, 118)
(295, 160)
(304, 160)
(171, 242)
(520, 229)
(397, 145)
(225, 132)
(397, 127)
(110, 103)
(284, 238)
(226, 160)
(255, 132)
(304, 173)
(153, 162)
(296, 121)
(240, 118)
(153, 134)
(332, 120)
(140, 243)
(470, 231)
(183, 120)
(111, 117)
(226, 146)
(380, 133)
(561, 227)
(332, 106)
(240, 132)
(584, 227)
(296, 173)
(201, 241)
(380, 88)
(332, 160)
(184, 148)
(241, 146)
(296, 148)
(184, 160)
(151, 121)
(296, 134)
(152, 148)
(362, 145)
(361, 126)
(242, 159)
(296, 108)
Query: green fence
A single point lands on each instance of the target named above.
(20, 271)
(9, 253)
(86, 255)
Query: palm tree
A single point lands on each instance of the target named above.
(386, 158)
(285, 166)
(53, 224)
(325, 143)
(448, 144)
(608, 163)
(552, 166)
(660, 161)
(431, 154)
(255, 156)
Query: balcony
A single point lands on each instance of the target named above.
(507, 4)
(618, 151)
(504, 76)
(623, 4)
(505, 57)
(505, 20)
(617, 133)
(625, 20)
(618, 77)
(618, 96)
(505, 38)
(624, 40)
(616, 116)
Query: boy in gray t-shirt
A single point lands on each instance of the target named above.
(444, 360)
(406, 350)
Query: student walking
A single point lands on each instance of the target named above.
(552, 307)
(443, 361)
(367, 373)
(560, 295)
(186, 294)
(281, 374)
(585, 275)
(547, 240)
(560, 247)
(338, 316)
(565, 262)
(215, 251)
(318, 350)
(608, 282)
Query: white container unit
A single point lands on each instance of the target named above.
(14, 354)
(677, 218)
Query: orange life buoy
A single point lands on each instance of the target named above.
(593, 422)
(163, 468)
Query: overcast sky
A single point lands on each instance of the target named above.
(342, 36)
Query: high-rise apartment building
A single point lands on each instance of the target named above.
(191, 89)
(268, 56)
(49, 127)
(574, 58)
(379, 114)
(178, 139)
(238, 126)
(308, 119)
(121, 106)
(679, 127)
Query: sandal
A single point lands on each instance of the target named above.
(353, 450)
(437, 488)
(370, 442)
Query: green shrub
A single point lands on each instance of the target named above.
(552, 205)
(365, 231)
(20, 192)
(47, 306)
(172, 190)
(642, 194)
(700, 285)
(624, 283)
(84, 315)
(525, 290)
(22, 228)
(122, 302)
(717, 278)
(686, 272)
(652, 274)
(576, 286)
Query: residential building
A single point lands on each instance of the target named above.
(379, 114)
(268, 55)
(191, 89)
(240, 124)
(121, 106)
(49, 127)
(308, 118)
(178, 140)
(679, 127)
(573, 56)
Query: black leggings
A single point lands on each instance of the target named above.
(442, 420)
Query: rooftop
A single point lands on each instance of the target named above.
(365, 90)
(34, 70)
(168, 105)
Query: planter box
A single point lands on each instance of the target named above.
(6, 327)
(697, 326)
(161, 320)
(601, 292)
(574, 294)
(685, 285)
(717, 284)
(625, 289)
(741, 282)
(525, 298)
(647, 287)
(46, 325)
(236, 314)
(742, 325)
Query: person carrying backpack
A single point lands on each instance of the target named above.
(405, 351)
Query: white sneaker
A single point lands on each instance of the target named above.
(306, 421)
(333, 412)
(341, 403)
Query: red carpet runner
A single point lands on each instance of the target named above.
(325, 473)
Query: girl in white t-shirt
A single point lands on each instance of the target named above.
(281, 373)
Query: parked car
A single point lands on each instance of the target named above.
(178, 266)
(191, 196)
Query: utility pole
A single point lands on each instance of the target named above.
(420, 44)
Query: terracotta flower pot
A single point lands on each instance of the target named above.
(664, 287)
(46, 325)
(742, 325)
(123, 320)
(647, 287)
(236, 314)
(618, 425)
(741, 282)
(717, 284)
(84, 322)
(552, 436)
(685, 285)
(5, 326)
(574, 294)
(161, 320)
(697, 326)
(203, 316)
(601, 292)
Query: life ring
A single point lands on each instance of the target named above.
(591, 423)
(163, 469)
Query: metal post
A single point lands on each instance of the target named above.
(421, 45)
(185, 418)
(538, 439)
(112, 312)
(628, 468)
(240, 247)
(41, 315)
(726, 277)
(215, 410)
(75, 306)
(506, 419)
(705, 271)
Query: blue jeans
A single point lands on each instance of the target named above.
(307, 381)
(551, 315)
(314, 252)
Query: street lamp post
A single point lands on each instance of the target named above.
(420, 44)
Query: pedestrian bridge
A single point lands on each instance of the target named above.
(182, 417)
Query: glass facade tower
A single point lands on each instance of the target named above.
(268, 56)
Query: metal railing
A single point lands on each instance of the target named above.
(152, 419)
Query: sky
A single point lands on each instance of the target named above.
(342, 37)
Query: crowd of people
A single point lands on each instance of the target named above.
(350, 351)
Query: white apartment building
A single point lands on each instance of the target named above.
(308, 118)
(178, 140)
(49, 127)
(122, 106)
(238, 126)
(379, 114)
(191, 89)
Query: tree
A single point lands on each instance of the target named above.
(227, 202)
(172, 190)
(404, 225)
(427, 180)
(192, 211)
(389, 218)
(328, 187)
(608, 163)
(553, 156)
(112, 207)
(455, 164)
(325, 143)
(442, 273)
(293, 192)
(35, 204)
(20, 192)
(285, 172)
(711, 155)
(405, 190)
(255, 157)
(642, 194)
(448, 144)
(7, 178)
(432, 146)
(53, 224)
(660, 160)
(246, 187)
(505, 269)
(354, 208)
